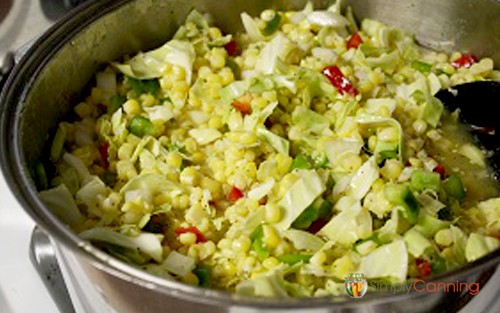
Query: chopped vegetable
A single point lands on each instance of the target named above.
(424, 180)
(354, 41)
(191, 229)
(243, 107)
(151, 86)
(272, 25)
(402, 195)
(424, 267)
(292, 259)
(231, 48)
(235, 194)
(204, 274)
(140, 126)
(421, 66)
(466, 61)
(115, 103)
(339, 81)
(258, 244)
(454, 187)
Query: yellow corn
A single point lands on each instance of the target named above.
(132, 107)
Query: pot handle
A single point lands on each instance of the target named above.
(6, 68)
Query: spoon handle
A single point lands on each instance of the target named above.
(43, 258)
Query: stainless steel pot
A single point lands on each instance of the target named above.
(47, 80)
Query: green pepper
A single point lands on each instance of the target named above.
(151, 86)
(318, 209)
(109, 178)
(272, 25)
(321, 161)
(292, 258)
(438, 263)
(325, 209)
(258, 244)
(204, 274)
(234, 67)
(421, 180)
(40, 176)
(454, 187)
(446, 214)
(301, 162)
(421, 66)
(116, 102)
(140, 126)
(305, 219)
(402, 195)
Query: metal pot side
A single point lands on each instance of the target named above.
(59, 65)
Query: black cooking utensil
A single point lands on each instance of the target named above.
(479, 106)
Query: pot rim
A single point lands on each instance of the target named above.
(13, 166)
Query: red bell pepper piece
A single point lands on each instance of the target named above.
(194, 230)
(465, 60)
(243, 107)
(231, 48)
(441, 170)
(317, 225)
(339, 81)
(103, 152)
(423, 267)
(235, 194)
(354, 41)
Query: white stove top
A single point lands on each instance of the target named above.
(21, 289)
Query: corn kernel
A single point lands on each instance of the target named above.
(270, 263)
(174, 159)
(214, 33)
(190, 145)
(229, 268)
(272, 212)
(132, 107)
(242, 244)
(206, 249)
(392, 169)
(190, 278)
(351, 162)
(215, 122)
(248, 264)
(125, 151)
(179, 73)
(388, 134)
(217, 58)
(224, 243)
(271, 237)
(419, 126)
(204, 71)
(226, 75)
(84, 109)
(258, 102)
(187, 238)
(189, 176)
(148, 100)
(444, 237)
(125, 170)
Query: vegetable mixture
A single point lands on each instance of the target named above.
(277, 161)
